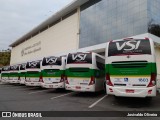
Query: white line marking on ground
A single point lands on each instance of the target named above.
(37, 92)
(61, 95)
(95, 103)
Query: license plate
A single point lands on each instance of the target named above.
(51, 86)
(78, 87)
(129, 91)
(32, 83)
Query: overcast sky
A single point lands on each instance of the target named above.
(18, 17)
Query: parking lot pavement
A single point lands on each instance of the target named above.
(22, 98)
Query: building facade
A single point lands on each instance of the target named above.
(115, 19)
(86, 25)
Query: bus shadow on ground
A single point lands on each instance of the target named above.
(34, 88)
(5, 84)
(88, 94)
(130, 102)
(17, 84)
(59, 90)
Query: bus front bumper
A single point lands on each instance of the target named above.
(14, 81)
(132, 92)
(4, 80)
(90, 88)
(53, 85)
(22, 81)
(33, 84)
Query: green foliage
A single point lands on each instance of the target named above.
(5, 58)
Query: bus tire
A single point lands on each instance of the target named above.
(148, 99)
(104, 87)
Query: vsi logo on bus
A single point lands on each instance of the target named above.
(79, 57)
(23, 65)
(14, 67)
(132, 44)
(51, 60)
(33, 64)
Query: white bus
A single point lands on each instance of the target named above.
(53, 69)
(22, 73)
(14, 74)
(33, 73)
(131, 68)
(5, 74)
(85, 72)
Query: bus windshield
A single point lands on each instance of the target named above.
(79, 58)
(33, 64)
(52, 61)
(23, 66)
(129, 47)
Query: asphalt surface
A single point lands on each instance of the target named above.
(23, 98)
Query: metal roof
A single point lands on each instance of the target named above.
(70, 7)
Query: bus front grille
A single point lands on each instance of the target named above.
(129, 64)
(138, 85)
(119, 84)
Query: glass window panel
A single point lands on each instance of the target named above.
(103, 20)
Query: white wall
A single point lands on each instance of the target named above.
(157, 51)
(58, 39)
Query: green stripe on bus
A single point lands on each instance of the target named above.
(53, 73)
(4, 74)
(13, 74)
(33, 75)
(88, 74)
(22, 74)
(130, 69)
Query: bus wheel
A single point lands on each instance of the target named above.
(148, 99)
(104, 88)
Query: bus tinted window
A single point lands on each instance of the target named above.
(22, 66)
(5, 68)
(79, 58)
(34, 64)
(15, 67)
(129, 47)
(52, 61)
